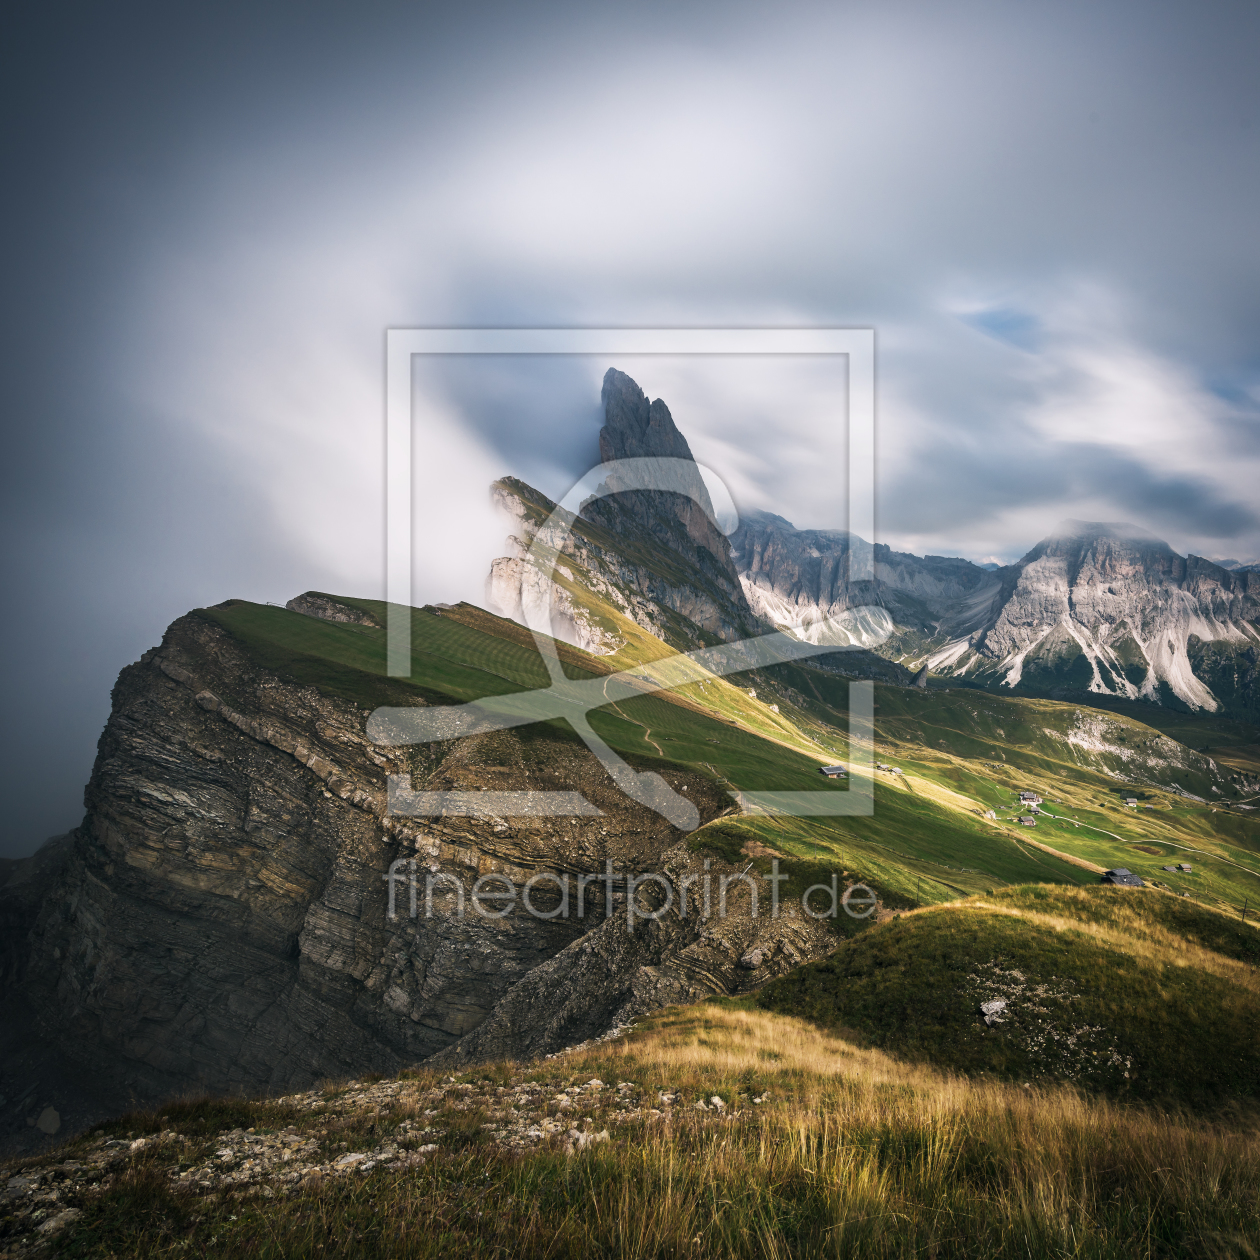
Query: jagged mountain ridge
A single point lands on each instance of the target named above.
(1094, 607)
(796, 579)
(655, 557)
(636, 429)
(219, 919)
(1113, 610)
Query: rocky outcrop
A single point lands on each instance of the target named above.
(652, 556)
(1109, 609)
(601, 572)
(514, 578)
(797, 579)
(328, 608)
(507, 585)
(1094, 607)
(636, 429)
(615, 974)
(221, 919)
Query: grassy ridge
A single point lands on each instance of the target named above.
(1119, 990)
(454, 662)
(964, 751)
(914, 845)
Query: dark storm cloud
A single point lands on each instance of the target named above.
(1189, 504)
(211, 215)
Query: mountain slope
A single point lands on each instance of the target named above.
(1103, 608)
(221, 918)
(1104, 987)
(797, 578)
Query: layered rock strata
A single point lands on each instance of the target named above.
(1116, 611)
(1094, 607)
(221, 919)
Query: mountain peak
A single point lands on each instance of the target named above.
(633, 427)
(758, 516)
(1082, 542)
(693, 596)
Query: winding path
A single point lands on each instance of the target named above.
(647, 730)
(1172, 844)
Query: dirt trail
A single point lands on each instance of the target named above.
(647, 730)
(1172, 844)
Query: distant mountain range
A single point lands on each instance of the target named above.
(1102, 608)
(1095, 607)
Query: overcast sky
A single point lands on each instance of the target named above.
(1046, 211)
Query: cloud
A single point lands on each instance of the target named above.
(1083, 420)
(672, 184)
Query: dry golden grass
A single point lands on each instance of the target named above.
(694, 1047)
(902, 1160)
(851, 1154)
(1140, 939)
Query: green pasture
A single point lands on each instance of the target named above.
(1117, 1006)
(986, 748)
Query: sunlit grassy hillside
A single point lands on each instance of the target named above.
(1126, 991)
(962, 753)
(926, 841)
(858, 1106)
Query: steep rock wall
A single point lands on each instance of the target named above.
(221, 920)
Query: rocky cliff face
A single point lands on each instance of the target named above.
(1108, 609)
(220, 920)
(653, 556)
(797, 578)
(636, 429)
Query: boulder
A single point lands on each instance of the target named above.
(993, 1011)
